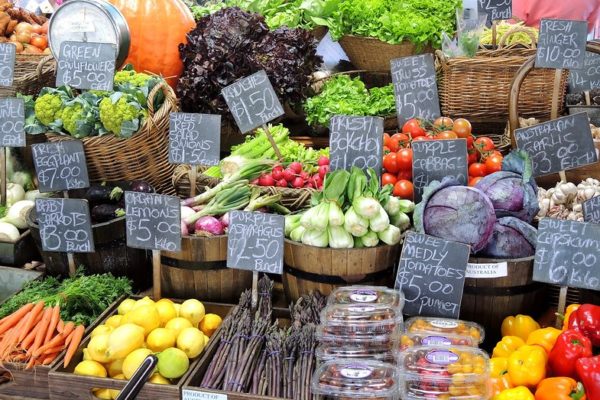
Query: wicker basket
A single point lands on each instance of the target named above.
(478, 88)
(32, 73)
(293, 199)
(319, 32)
(144, 156)
(372, 54)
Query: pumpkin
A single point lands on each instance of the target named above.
(157, 27)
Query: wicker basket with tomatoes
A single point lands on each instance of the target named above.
(484, 158)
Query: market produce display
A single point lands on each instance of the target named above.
(351, 211)
(28, 31)
(564, 201)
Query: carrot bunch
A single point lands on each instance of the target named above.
(35, 335)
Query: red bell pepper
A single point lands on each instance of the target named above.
(586, 319)
(570, 346)
(588, 370)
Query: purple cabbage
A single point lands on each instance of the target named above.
(455, 212)
(511, 238)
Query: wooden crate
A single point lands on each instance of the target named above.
(33, 383)
(66, 385)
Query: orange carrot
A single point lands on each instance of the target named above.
(28, 341)
(53, 323)
(11, 341)
(74, 344)
(60, 326)
(55, 341)
(15, 317)
(55, 349)
(41, 332)
(37, 309)
(49, 358)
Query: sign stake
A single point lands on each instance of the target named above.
(3, 162)
(272, 141)
(562, 305)
(193, 179)
(156, 275)
(254, 290)
(70, 257)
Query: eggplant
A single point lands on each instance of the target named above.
(103, 194)
(106, 212)
(141, 187)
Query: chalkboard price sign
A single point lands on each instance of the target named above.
(7, 63)
(568, 254)
(435, 159)
(591, 210)
(194, 139)
(495, 9)
(86, 65)
(356, 142)
(12, 123)
(415, 88)
(255, 242)
(60, 165)
(431, 274)
(153, 221)
(558, 145)
(588, 77)
(65, 225)
(252, 101)
(561, 44)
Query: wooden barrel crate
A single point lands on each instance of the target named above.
(309, 268)
(488, 301)
(199, 270)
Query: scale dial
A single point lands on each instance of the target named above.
(89, 21)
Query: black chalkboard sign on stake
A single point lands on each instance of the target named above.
(70, 257)
(253, 103)
(12, 134)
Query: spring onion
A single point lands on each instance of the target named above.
(390, 236)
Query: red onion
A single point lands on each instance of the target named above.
(210, 225)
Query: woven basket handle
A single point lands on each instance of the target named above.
(169, 99)
(441, 60)
(42, 67)
(518, 29)
(513, 101)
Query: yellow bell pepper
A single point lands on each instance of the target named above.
(520, 325)
(527, 366)
(499, 378)
(545, 337)
(507, 346)
(572, 308)
(518, 393)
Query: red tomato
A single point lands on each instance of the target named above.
(493, 153)
(386, 150)
(493, 164)
(443, 124)
(404, 159)
(404, 189)
(390, 163)
(462, 127)
(470, 141)
(474, 179)
(413, 128)
(419, 138)
(446, 135)
(484, 143)
(386, 139)
(39, 41)
(406, 174)
(388, 179)
(403, 139)
(477, 169)
(473, 156)
(393, 144)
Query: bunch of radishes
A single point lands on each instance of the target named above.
(295, 175)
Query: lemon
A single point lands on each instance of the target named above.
(115, 368)
(172, 363)
(192, 310)
(86, 354)
(206, 339)
(166, 311)
(98, 347)
(90, 368)
(123, 340)
(160, 339)
(177, 308)
(115, 321)
(191, 342)
(113, 392)
(101, 330)
(103, 394)
(146, 301)
(210, 323)
(126, 306)
(145, 316)
(178, 324)
(159, 379)
(133, 361)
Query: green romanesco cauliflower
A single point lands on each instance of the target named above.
(70, 115)
(80, 116)
(121, 114)
(48, 106)
(131, 77)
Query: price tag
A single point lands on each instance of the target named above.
(187, 394)
(558, 145)
(7, 63)
(415, 88)
(153, 221)
(252, 101)
(86, 65)
(561, 44)
(431, 274)
(591, 210)
(12, 123)
(194, 139)
(567, 254)
(435, 159)
(65, 225)
(255, 242)
(60, 165)
(588, 77)
(356, 142)
(495, 9)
